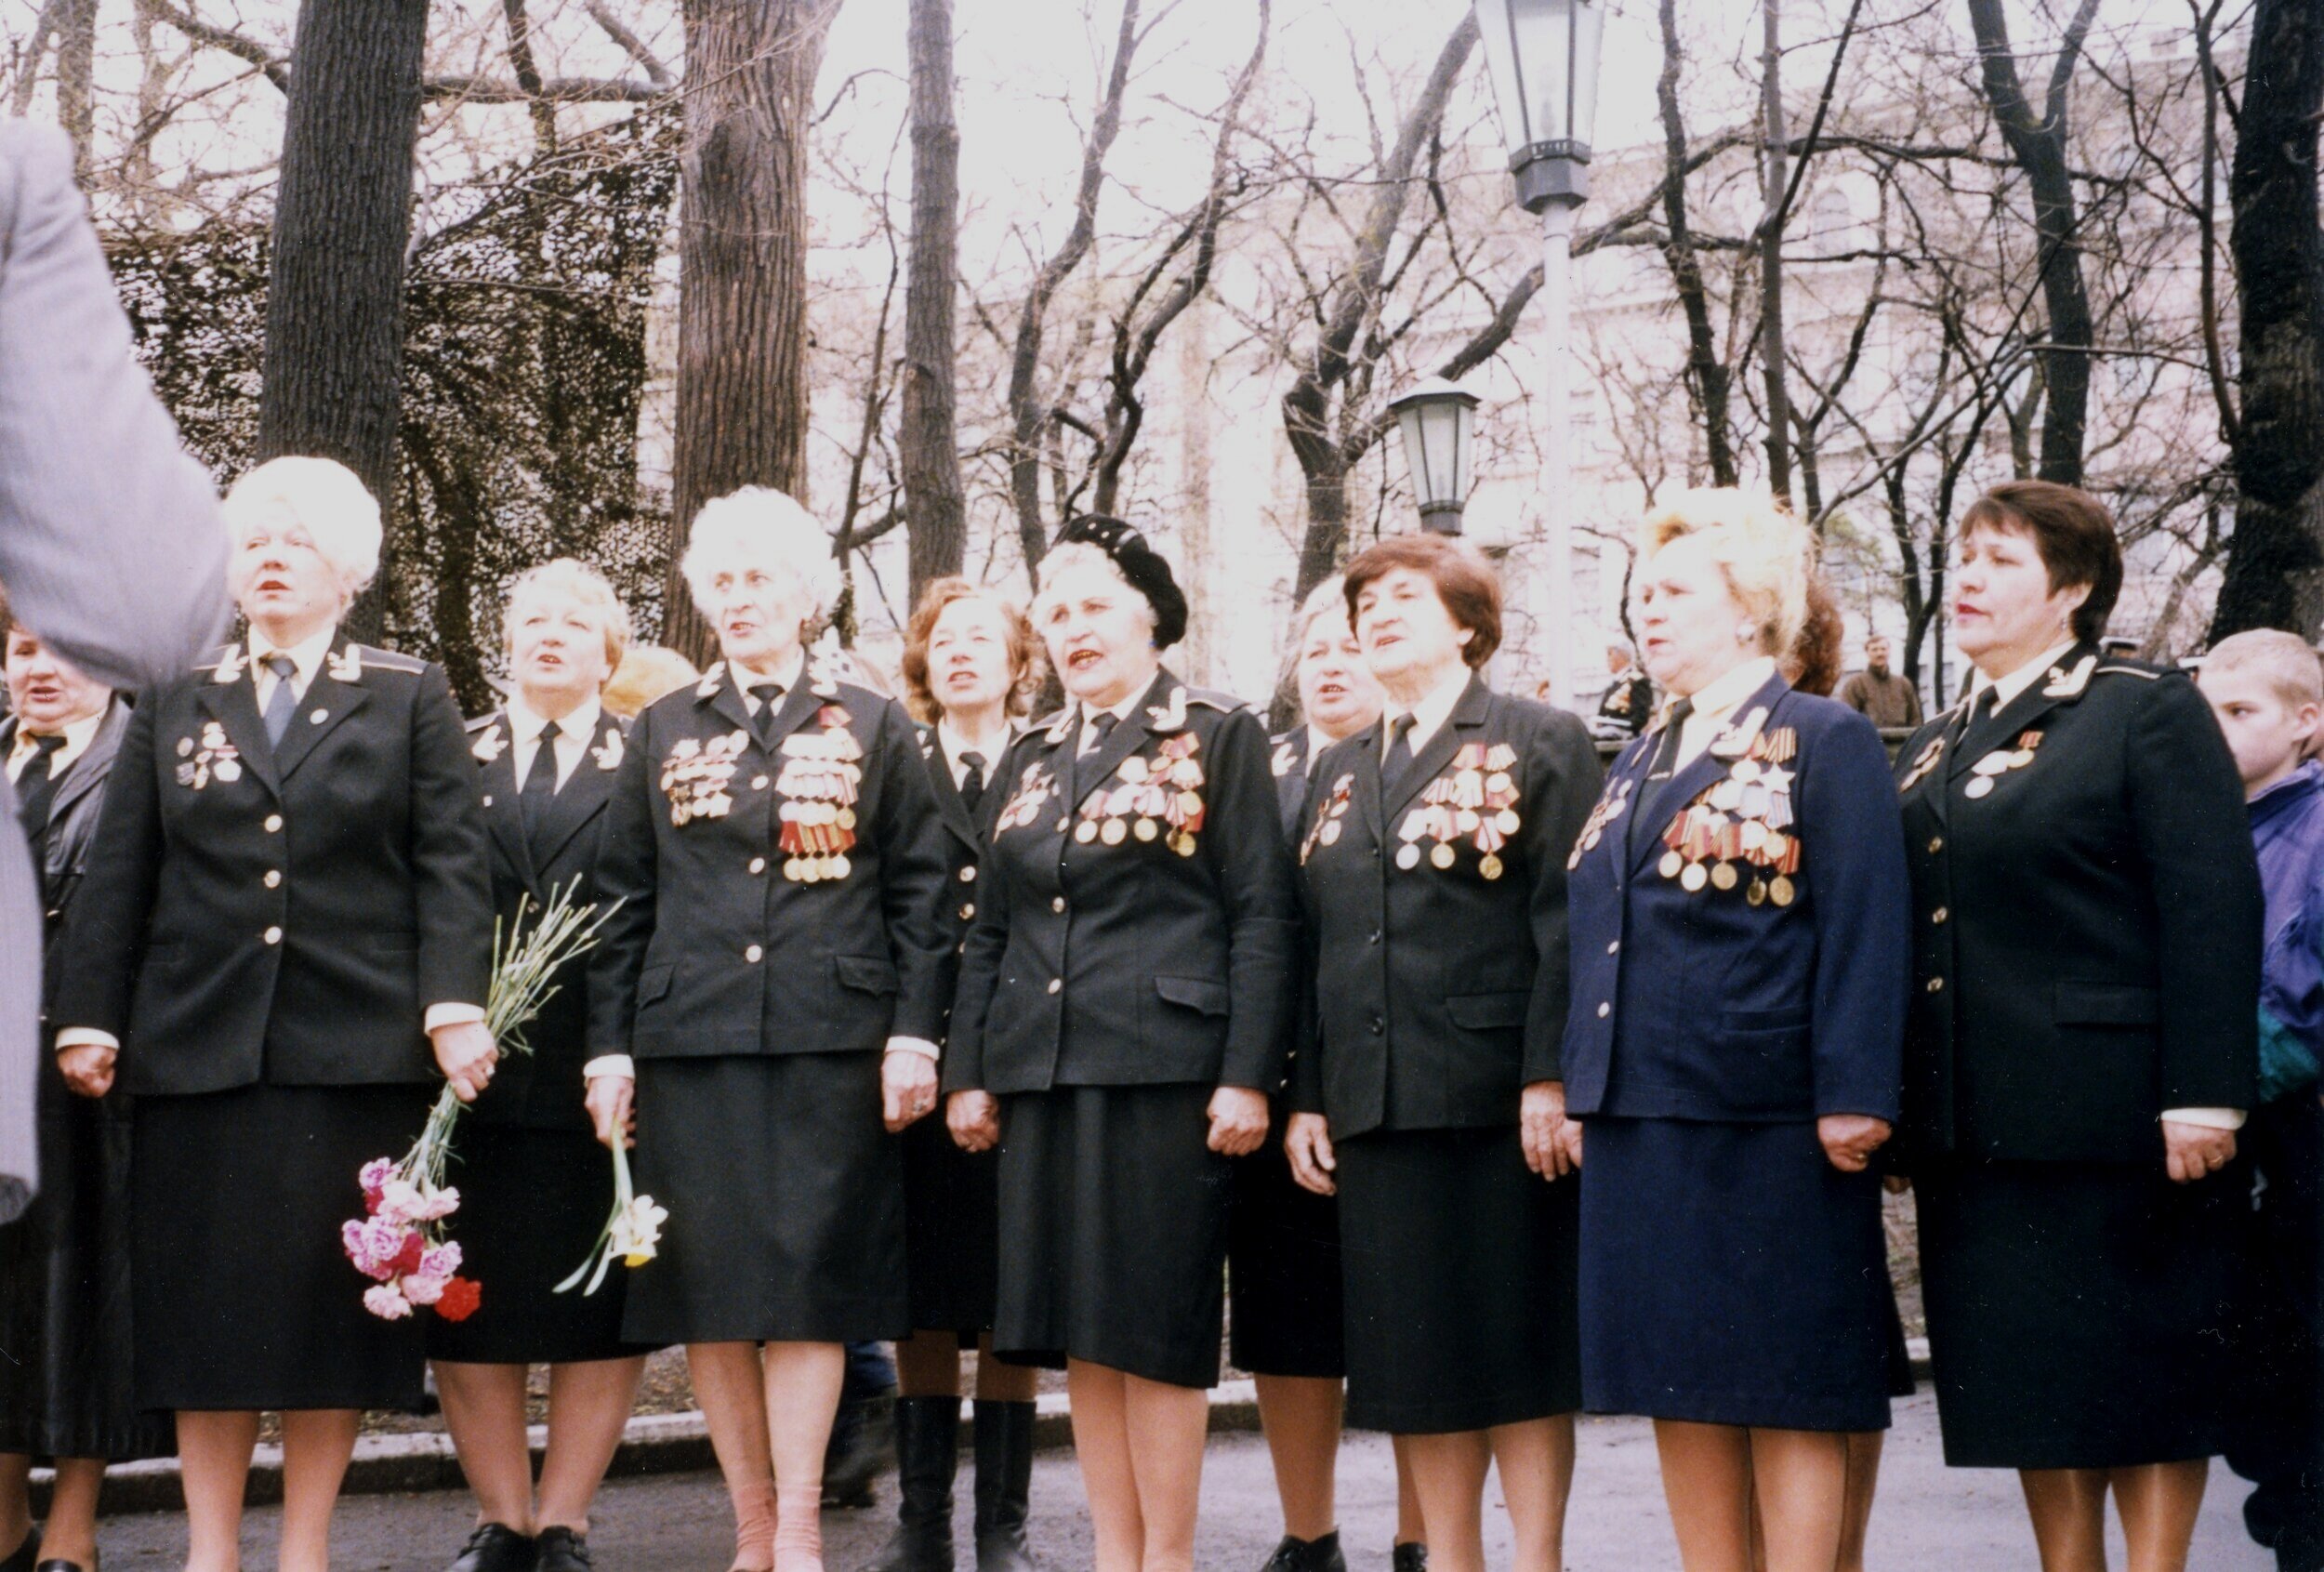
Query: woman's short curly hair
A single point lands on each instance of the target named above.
(584, 584)
(1025, 666)
(761, 527)
(1765, 554)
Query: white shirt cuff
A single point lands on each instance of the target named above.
(86, 1037)
(2211, 1119)
(920, 1046)
(619, 1064)
(453, 1015)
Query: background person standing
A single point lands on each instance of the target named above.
(1879, 694)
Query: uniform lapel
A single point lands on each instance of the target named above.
(1664, 802)
(582, 797)
(322, 710)
(1129, 734)
(2062, 683)
(503, 811)
(234, 706)
(84, 774)
(1468, 713)
(949, 807)
(1366, 773)
(798, 705)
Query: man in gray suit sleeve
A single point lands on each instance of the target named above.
(111, 544)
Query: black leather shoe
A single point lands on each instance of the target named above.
(1411, 1556)
(1308, 1555)
(862, 1445)
(561, 1550)
(26, 1556)
(496, 1547)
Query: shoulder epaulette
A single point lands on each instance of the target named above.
(486, 720)
(1054, 726)
(389, 660)
(1226, 704)
(2149, 672)
(220, 656)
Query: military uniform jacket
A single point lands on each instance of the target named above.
(543, 1088)
(2086, 919)
(1438, 976)
(1136, 923)
(1287, 759)
(283, 912)
(1740, 930)
(781, 899)
(72, 814)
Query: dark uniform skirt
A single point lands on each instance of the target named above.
(66, 1353)
(785, 1199)
(2081, 1316)
(1459, 1267)
(1731, 1275)
(531, 1202)
(1283, 1268)
(1113, 1231)
(244, 1297)
(951, 1230)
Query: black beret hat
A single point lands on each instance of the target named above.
(1141, 564)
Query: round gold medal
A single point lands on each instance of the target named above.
(1409, 857)
(846, 818)
(2021, 757)
(1981, 787)
(1497, 782)
(1694, 878)
(1443, 857)
(1086, 831)
(1182, 843)
(1756, 892)
(838, 867)
(227, 770)
(1114, 832)
(1505, 821)
(1189, 803)
(1724, 877)
(1671, 864)
(1329, 833)
(1775, 846)
(1145, 829)
(1465, 820)
(1780, 891)
(1489, 866)
(793, 869)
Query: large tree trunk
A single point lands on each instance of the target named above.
(334, 365)
(934, 509)
(742, 265)
(2038, 146)
(2274, 556)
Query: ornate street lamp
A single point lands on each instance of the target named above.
(1543, 58)
(1438, 419)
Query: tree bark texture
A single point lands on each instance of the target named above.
(333, 374)
(1707, 376)
(742, 265)
(76, 68)
(935, 507)
(1776, 174)
(2038, 146)
(2277, 553)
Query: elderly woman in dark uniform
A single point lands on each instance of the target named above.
(534, 1184)
(1431, 1092)
(288, 905)
(771, 992)
(972, 663)
(1740, 943)
(65, 1350)
(1283, 1241)
(1121, 1018)
(2081, 1047)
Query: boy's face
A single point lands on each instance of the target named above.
(2267, 736)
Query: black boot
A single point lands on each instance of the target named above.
(1308, 1555)
(928, 1453)
(1410, 1557)
(1004, 1486)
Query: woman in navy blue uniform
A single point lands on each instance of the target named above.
(1739, 941)
(287, 907)
(534, 1184)
(1123, 1012)
(1429, 1085)
(972, 664)
(1283, 1244)
(770, 991)
(2087, 935)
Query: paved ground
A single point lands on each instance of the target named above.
(1927, 1517)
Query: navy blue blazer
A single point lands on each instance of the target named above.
(1743, 1000)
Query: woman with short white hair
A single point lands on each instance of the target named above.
(289, 907)
(534, 1184)
(767, 995)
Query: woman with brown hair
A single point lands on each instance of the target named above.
(971, 664)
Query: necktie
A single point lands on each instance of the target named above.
(973, 781)
(281, 702)
(539, 788)
(36, 789)
(1666, 750)
(1100, 727)
(1398, 762)
(770, 697)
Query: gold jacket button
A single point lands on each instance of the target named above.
(273, 879)
(1615, 948)
(1604, 1011)
(1940, 915)
(274, 935)
(318, 718)
(1936, 985)
(1936, 845)
(757, 865)
(967, 910)
(274, 824)
(1056, 986)
(1058, 905)
(968, 875)
(753, 953)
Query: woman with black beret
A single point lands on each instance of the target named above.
(1121, 1021)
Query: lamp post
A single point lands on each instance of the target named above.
(1438, 419)
(1543, 58)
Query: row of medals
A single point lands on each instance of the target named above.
(1741, 818)
(1477, 798)
(818, 784)
(1156, 792)
(2000, 762)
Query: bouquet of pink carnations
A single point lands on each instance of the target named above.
(400, 1243)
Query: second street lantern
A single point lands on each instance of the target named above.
(1437, 420)
(1543, 57)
